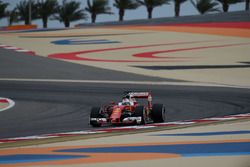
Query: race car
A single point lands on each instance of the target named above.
(129, 111)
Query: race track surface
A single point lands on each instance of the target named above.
(74, 69)
(50, 107)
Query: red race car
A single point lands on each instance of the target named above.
(129, 111)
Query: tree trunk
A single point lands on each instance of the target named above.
(225, 5)
(177, 8)
(247, 5)
(121, 14)
(45, 22)
(93, 17)
(26, 21)
(10, 21)
(67, 23)
(150, 11)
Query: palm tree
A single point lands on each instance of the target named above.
(151, 4)
(23, 11)
(13, 16)
(177, 6)
(68, 12)
(45, 9)
(122, 5)
(3, 7)
(97, 7)
(247, 5)
(226, 3)
(205, 6)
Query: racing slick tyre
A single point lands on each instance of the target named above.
(140, 112)
(94, 115)
(158, 113)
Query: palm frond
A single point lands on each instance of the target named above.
(69, 11)
(205, 6)
(97, 7)
(153, 3)
(23, 11)
(3, 7)
(126, 4)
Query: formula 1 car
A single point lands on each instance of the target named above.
(128, 111)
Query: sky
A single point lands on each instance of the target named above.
(140, 13)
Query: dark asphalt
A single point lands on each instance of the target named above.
(60, 107)
(196, 67)
(21, 65)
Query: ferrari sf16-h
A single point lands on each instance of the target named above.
(129, 111)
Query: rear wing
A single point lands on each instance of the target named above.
(139, 94)
(142, 95)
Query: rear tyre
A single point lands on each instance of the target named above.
(158, 113)
(94, 114)
(140, 112)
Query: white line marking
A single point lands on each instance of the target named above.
(77, 133)
(122, 82)
(11, 104)
(242, 115)
(31, 137)
(219, 119)
(11, 47)
(129, 127)
(177, 123)
(22, 50)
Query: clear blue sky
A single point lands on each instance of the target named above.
(140, 13)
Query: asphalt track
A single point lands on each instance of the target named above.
(50, 107)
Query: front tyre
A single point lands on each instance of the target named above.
(158, 113)
(94, 115)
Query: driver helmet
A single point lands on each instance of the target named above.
(125, 101)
